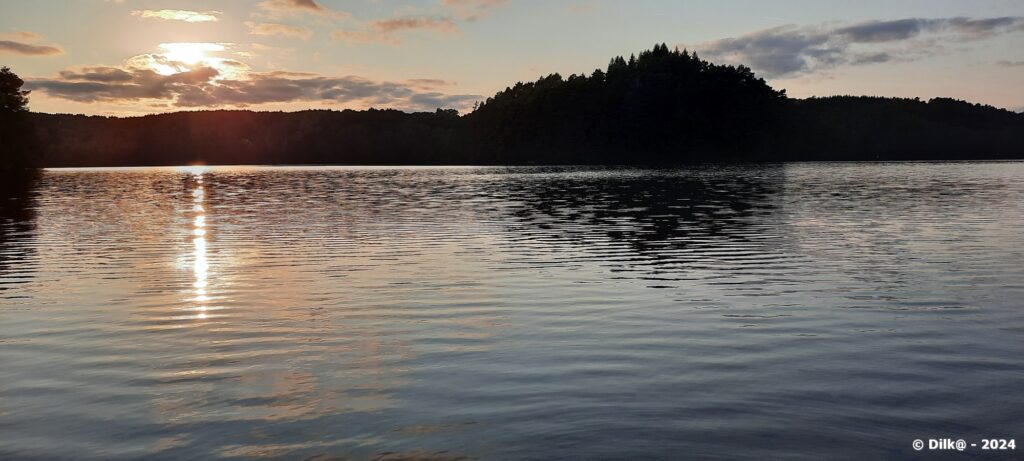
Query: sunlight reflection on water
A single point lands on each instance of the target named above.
(200, 263)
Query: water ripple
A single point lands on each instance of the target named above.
(719, 312)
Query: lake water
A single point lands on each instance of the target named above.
(737, 312)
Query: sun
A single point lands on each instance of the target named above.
(175, 58)
(190, 53)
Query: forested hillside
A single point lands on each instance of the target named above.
(661, 106)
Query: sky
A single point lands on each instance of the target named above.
(133, 57)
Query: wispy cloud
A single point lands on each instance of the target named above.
(477, 3)
(794, 50)
(472, 10)
(265, 28)
(308, 5)
(26, 43)
(97, 74)
(1008, 63)
(580, 8)
(445, 20)
(428, 83)
(178, 15)
(386, 30)
(277, 8)
(364, 36)
(388, 26)
(964, 28)
(22, 36)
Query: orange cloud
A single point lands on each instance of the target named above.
(384, 30)
(279, 29)
(178, 15)
(472, 10)
(277, 8)
(23, 43)
(291, 5)
(388, 26)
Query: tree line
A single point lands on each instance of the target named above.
(660, 106)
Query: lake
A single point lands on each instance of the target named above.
(801, 311)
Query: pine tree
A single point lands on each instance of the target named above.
(16, 134)
(12, 98)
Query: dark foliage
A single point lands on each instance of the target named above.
(16, 141)
(872, 128)
(245, 137)
(12, 97)
(662, 106)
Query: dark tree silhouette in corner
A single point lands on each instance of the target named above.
(16, 133)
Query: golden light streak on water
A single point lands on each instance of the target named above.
(200, 264)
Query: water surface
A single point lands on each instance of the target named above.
(797, 311)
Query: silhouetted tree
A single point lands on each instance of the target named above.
(12, 97)
(16, 134)
(659, 106)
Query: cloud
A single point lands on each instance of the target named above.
(133, 85)
(429, 101)
(1010, 63)
(791, 50)
(24, 43)
(279, 29)
(97, 74)
(472, 10)
(276, 8)
(385, 30)
(363, 36)
(388, 26)
(178, 15)
(212, 84)
(580, 8)
(478, 3)
(22, 36)
(285, 5)
(777, 51)
(966, 28)
(870, 58)
(446, 21)
(428, 83)
(28, 49)
(882, 31)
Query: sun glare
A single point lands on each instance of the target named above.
(176, 58)
(189, 53)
